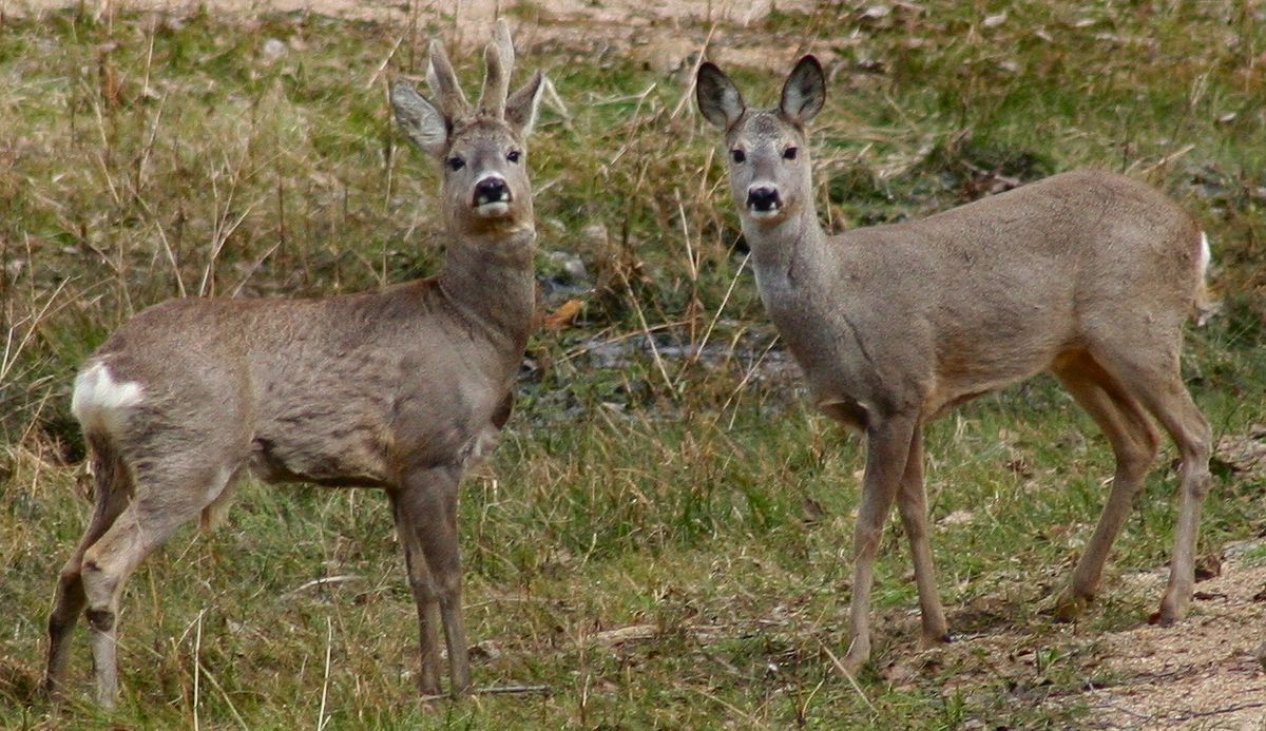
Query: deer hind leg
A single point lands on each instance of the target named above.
(887, 449)
(113, 490)
(1134, 443)
(165, 500)
(426, 509)
(1159, 387)
(912, 504)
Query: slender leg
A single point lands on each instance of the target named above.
(1159, 387)
(1134, 443)
(425, 595)
(912, 503)
(1191, 433)
(167, 497)
(887, 448)
(112, 492)
(427, 504)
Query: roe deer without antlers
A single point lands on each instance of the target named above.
(401, 390)
(1087, 275)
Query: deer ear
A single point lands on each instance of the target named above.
(805, 91)
(719, 100)
(420, 121)
(522, 105)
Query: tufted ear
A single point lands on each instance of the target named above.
(522, 105)
(805, 91)
(418, 118)
(719, 100)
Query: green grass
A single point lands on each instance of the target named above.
(143, 160)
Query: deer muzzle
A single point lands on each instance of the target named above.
(763, 200)
(492, 196)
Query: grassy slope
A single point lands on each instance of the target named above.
(141, 161)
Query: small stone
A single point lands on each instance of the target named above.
(273, 49)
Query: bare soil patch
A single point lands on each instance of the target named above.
(661, 33)
(1204, 673)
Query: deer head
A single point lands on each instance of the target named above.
(770, 170)
(481, 149)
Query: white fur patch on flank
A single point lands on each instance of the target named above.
(99, 402)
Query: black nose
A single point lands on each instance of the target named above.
(491, 190)
(763, 199)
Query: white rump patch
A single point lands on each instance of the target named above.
(99, 402)
(1207, 307)
(1205, 256)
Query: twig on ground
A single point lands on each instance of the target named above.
(322, 719)
(848, 676)
(326, 581)
(497, 690)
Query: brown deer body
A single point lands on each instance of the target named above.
(401, 390)
(1089, 276)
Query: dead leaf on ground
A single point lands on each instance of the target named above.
(1208, 566)
(564, 316)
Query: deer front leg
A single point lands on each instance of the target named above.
(424, 595)
(426, 517)
(887, 449)
(912, 503)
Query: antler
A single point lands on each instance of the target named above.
(443, 83)
(499, 59)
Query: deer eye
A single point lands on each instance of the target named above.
(789, 153)
(513, 156)
(738, 156)
(455, 163)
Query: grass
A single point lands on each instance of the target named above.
(697, 501)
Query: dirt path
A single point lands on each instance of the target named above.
(663, 33)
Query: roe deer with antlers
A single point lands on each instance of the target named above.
(1089, 276)
(401, 390)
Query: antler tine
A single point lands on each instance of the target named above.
(443, 82)
(499, 59)
(501, 37)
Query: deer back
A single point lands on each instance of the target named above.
(352, 389)
(929, 313)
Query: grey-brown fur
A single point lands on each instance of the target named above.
(1090, 276)
(401, 390)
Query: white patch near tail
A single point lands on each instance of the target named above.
(1206, 306)
(99, 402)
(1205, 256)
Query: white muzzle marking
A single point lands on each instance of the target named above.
(492, 210)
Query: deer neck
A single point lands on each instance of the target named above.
(786, 256)
(489, 281)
